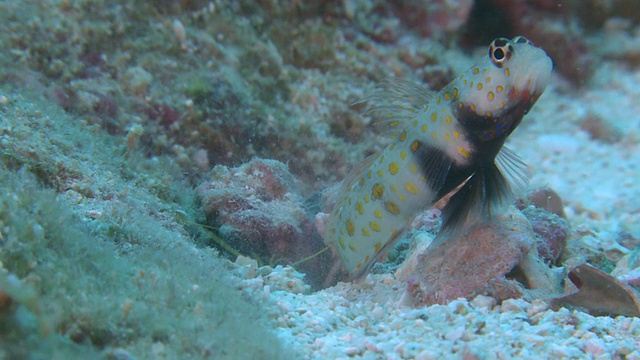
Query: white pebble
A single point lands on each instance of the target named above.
(427, 355)
(378, 312)
(594, 347)
(635, 355)
(455, 334)
(352, 351)
(348, 337)
(285, 306)
(537, 306)
(397, 324)
(511, 305)
(244, 260)
(400, 348)
(361, 321)
(370, 346)
(563, 352)
(482, 301)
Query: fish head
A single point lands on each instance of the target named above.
(500, 89)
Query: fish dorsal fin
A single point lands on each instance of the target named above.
(483, 194)
(394, 103)
(353, 177)
(357, 172)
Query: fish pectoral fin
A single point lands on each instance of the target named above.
(485, 192)
(513, 169)
(394, 103)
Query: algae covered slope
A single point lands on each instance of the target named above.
(102, 266)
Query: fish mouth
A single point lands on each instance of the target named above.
(537, 68)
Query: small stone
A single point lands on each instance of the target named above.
(264, 271)
(511, 305)
(285, 306)
(547, 199)
(378, 312)
(361, 321)
(537, 306)
(482, 301)
(118, 354)
(560, 351)
(246, 261)
(397, 324)
(427, 355)
(458, 307)
(371, 346)
(400, 349)
(594, 347)
(455, 334)
(352, 351)
(634, 355)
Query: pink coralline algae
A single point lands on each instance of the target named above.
(473, 264)
(509, 257)
(256, 209)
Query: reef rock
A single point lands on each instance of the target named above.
(257, 210)
(474, 263)
(543, 208)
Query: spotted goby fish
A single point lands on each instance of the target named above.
(440, 142)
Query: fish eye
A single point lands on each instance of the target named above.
(500, 51)
(500, 42)
(521, 40)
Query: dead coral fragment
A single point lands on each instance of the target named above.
(599, 294)
(473, 264)
(543, 207)
(258, 211)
